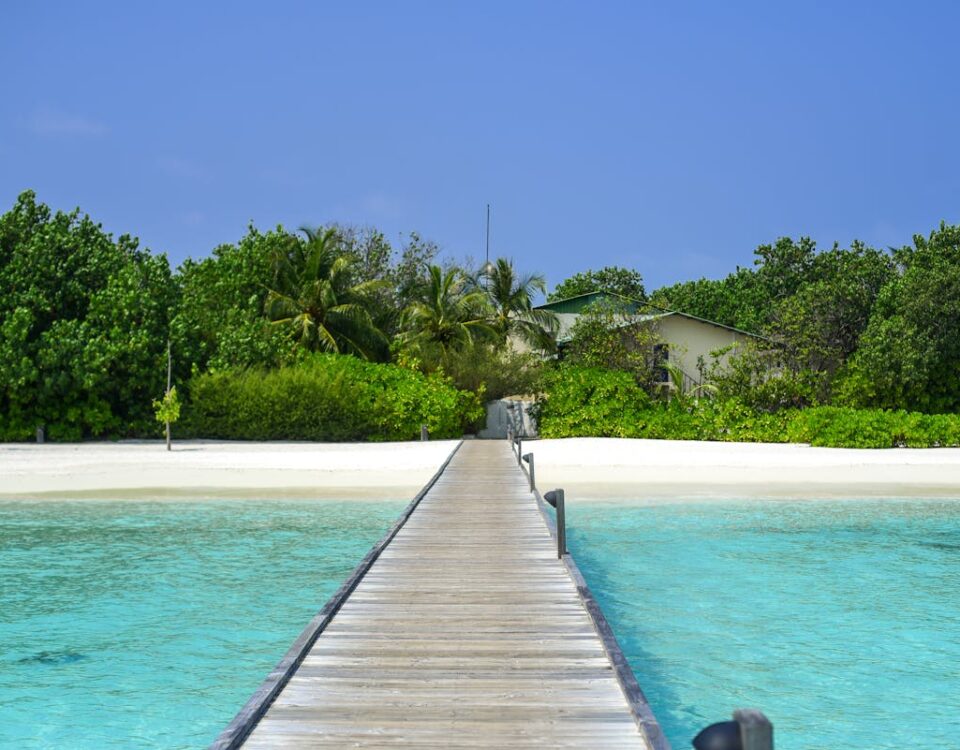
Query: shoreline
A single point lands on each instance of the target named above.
(203, 470)
(644, 471)
(671, 471)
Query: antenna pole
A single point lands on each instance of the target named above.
(488, 236)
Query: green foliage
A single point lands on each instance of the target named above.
(327, 397)
(739, 300)
(167, 409)
(589, 401)
(491, 371)
(83, 326)
(623, 281)
(909, 354)
(314, 295)
(450, 314)
(219, 322)
(756, 376)
(609, 335)
(586, 402)
(510, 298)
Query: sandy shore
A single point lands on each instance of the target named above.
(200, 469)
(603, 468)
(588, 468)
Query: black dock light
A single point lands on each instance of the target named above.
(555, 498)
(749, 730)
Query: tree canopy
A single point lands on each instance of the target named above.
(614, 279)
(85, 318)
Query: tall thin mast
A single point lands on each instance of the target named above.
(487, 264)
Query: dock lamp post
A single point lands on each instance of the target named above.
(555, 498)
(749, 730)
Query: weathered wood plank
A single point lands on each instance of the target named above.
(464, 631)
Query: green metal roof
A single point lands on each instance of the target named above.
(581, 301)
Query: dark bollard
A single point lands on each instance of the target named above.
(40, 435)
(424, 434)
(749, 730)
(555, 498)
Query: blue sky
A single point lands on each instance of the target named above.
(668, 137)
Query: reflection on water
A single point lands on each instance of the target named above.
(147, 625)
(840, 619)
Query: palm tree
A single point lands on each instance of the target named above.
(313, 293)
(511, 297)
(451, 314)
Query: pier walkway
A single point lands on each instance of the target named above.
(466, 631)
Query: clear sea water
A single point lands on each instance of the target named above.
(148, 625)
(841, 620)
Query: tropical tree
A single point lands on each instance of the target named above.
(219, 321)
(511, 302)
(451, 314)
(84, 319)
(315, 296)
(613, 279)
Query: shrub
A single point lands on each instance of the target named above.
(589, 401)
(579, 402)
(326, 397)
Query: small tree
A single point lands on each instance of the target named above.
(610, 336)
(167, 410)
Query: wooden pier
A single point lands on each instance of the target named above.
(461, 629)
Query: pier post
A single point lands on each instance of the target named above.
(424, 433)
(556, 499)
(756, 731)
(533, 481)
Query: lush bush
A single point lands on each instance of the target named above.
(582, 402)
(484, 369)
(83, 327)
(591, 401)
(326, 397)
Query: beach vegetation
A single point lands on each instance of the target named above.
(314, 294)
(510, 297)
(857, 346)
(83, 326)
(595, 402)
(449, 314)
(616, 280)
(327, 397)
(167, 410)
(610, 336)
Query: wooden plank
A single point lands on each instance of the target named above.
(465, 630)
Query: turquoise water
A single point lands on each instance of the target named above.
(147, 625)
(841, 620)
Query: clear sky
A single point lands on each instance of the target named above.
(672, 137)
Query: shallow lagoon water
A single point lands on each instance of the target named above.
(148, 625)
(840, 619)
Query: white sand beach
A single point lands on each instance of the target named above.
(601, 468)
(588, 468)
(200, 469)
